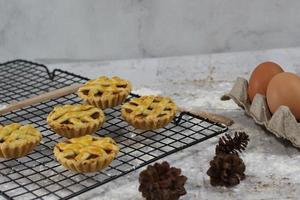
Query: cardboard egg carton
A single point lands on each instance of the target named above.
(282, 123)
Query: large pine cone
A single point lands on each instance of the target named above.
(160, 182)
(226, 170)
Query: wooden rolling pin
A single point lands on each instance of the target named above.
(210, 116)
(73, 88)
(40, 98)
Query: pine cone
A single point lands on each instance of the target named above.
(229, 145)
(160, 182)
(226, 170)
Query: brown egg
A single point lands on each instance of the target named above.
(284, 89)
(260, 78)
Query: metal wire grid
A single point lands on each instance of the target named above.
(39, 176)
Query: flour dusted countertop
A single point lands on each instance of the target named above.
(196, 83)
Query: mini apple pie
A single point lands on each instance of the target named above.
(75, 120)
(149, 112)
(87, 153)
(17, 140)
(104, 92)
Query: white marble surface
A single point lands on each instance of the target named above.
(120, 29)
(197, 82)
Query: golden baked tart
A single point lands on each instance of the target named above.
(75, 120)
(17, 140)
(149, 112)
(87, 153)
(105, 92)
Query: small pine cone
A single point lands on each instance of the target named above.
(229, 145)
(160, 182)
(226, 170)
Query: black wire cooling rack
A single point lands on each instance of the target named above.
(39, 176)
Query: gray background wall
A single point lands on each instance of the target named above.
(121, 29)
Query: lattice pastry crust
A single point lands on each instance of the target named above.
(87, 153)
(149, 112)
(104, 92)
(75, 120)
(18, 140)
